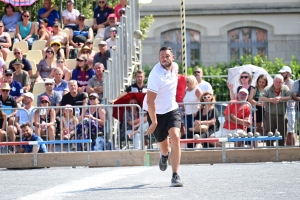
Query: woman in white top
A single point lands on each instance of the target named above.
(70, 16)
(192, 95)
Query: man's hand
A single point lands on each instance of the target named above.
(54, 7)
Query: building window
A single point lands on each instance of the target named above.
(250, 41)
(172, 38)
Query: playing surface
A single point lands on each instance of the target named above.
(219, 181)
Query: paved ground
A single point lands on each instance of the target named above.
(219, 181)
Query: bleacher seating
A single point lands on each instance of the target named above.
(38, 88)
(71, 63)
(39, 44)
(10, 56)
(96, 42)
(35, 55)
(23, 45)
(89, 22)
(34, 67)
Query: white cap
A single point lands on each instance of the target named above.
(49, 80)
(29, 94)
(244, 90)
(285, 69)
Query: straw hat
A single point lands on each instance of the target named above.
(5, 86)
(56, 42)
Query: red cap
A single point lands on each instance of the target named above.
(44, 98)
(112, 15)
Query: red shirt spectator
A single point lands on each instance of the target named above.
(181, 86)
(242, 111)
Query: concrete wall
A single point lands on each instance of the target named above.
(282, 26)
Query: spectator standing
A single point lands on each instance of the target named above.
(21, 76)
(49, 12)
(60, 84)
(5, 41)
(202, 84)
(296, 96)
(95, 84)
(11, 18)
(286, 72)
(245, 81)
(70, 16)
(25, 29)
(7, 101)
(19, 56)
(16, 87)
(101, 12)
(122, 4)
(82, 73)
(180, 92)
(30, 136)
(103, 55)
(275, 109)
(111, 40)
(46, 65)
(112, 22)
(61, 64)
(44, 30)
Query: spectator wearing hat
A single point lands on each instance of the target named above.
(103, 55)
(111, 40)
(89, 43)
(7, 101)
(62, 65)
(49, 12)
(58, 51)
(25, 30)
(44, 30)
(16, 87)
(19, 56)
(44, 120)
(82, 73)
(81, 33)
(30, 136)
(95, 84)
(21, 76)
(86, 51)
(70, 16)
(22, 117)
(100, 15)
(112, 22)
(120, 9)
(46, 65)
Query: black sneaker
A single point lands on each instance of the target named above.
(163, 163)
(176, 182)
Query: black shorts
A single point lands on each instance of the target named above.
(164, 123)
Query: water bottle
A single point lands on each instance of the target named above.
(44, 127)
(77, 112)
(43, 111)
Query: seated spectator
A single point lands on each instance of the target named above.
(89, 44)
(19, 56)
(120, 9)
(86, 51)
(3, 120)
(60, 84)
(16, 87)
(112, 23)
(49, 12)
(133, 121)
(81, 33)
(21, 76)
(45, 66)
(103, 55)
(68, 124)
(44, 120)
(2, 69)
(7, 101)
(54, 96)
(11, 18)
(22, 117)
(25, 30)
(95, 123)
(61, 64)
(207, 116)
(44, 30)
(202, 84)
(82, 73)
(30, 136)
(111, 40)
(5, 41)
(58, 51)
(100, 15)
(237, 118)
(59, 36)
(70, 16)
(95, 84)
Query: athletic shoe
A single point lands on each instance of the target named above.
(163, 163)
(176, 182)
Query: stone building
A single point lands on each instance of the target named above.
(219, 30)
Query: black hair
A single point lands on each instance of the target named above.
(9, 5)
(25, 11)
(25, 125)
(165, 49)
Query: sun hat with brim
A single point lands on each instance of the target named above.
(68, 107)
(56, 42)
(49, 80)
(285, 69)
(102, 43)
(44, 98)
(29, 94)
(5, 86)
(82, 58)
(89, 41)
(18, 62)
(244, 90)
(56, 24)
(94, 95)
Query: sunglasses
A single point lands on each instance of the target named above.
(111, 18)
(5, 90)
(44, 102)
(17, 53)
(101, 2)
(27, 16)
(53, 45)
(87, 51)
(242, 94)
(79, 60)
(81, 19)
(47, 84)
(92, 98)
(60, 61)
(197, 72)
(207, 97)
(244, 77)
(49, 52)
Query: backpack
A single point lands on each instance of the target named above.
(73, 54)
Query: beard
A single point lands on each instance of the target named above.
(166, 65)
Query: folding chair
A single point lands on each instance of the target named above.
(33, 65)
(71, 63)
(35, 55)
(23, 45)
(38, 45)
(96, 42)
(38, 88)
(89, 22)
(10, 56)
(36, 27)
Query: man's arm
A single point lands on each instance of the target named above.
(295, 97)
(151, 96)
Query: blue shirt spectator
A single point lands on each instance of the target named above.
(16, 89)
(61, 87)
(29, 148)
(49, 12)
(11, 18)
(101, 13)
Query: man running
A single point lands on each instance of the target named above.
(163, 113)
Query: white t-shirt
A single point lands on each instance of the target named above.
(164, 84)
(205, 86)
(110, 42)
(23, 117)
(70, 15)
